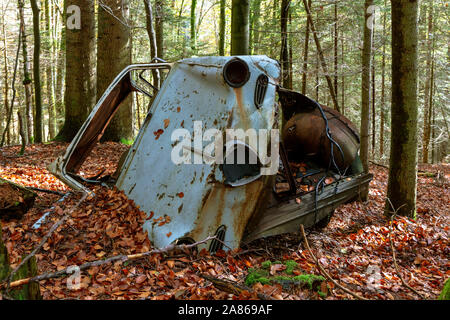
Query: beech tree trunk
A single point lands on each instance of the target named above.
(79, 97)
(403, 156)
(383, 87)
(240, 27)
(365, 90)
(113, 55)
(427, 100)
(48, 73)
(38, 130)
(27, 109)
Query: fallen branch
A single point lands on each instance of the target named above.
(232, 286)
(122, 257)
(44, 240)
(393, 254)
(324, 272)
(47, 191)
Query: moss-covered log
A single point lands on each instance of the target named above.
(29, 291)
(15, 200)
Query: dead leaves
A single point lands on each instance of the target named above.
(354, 248)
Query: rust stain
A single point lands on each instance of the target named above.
(241, 107)
(247, 207)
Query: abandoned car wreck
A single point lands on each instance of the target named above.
(297, 177)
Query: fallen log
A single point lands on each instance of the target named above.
(29, 291)
(15, 200)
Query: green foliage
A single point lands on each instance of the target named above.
(128, 142)
(445, 294)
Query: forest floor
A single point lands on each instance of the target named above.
(355, 248)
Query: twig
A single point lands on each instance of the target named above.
(121, 257)
(44, 240)
(324, 272)
(393, 254)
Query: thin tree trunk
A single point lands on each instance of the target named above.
(240, 27)
(37, 73)
(342, 78)
(284, 55)
(152, 38)
(255, 26)
(222, 29)
(402, 181)
(322, 58)
(193, 34)
(26, 77)
(336, 49)
(373, 108)
(159, 27)
(365, 89)
(383, 87)
(6, 81)
(426, 107)
(13, 88)
(305, 54)
(48, 73)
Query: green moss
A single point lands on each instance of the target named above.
(257, 275)
(322, 294)
(290, 266)
(445, 294)
(286, 279)
(308, 279)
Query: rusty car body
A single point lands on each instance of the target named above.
(202, 197)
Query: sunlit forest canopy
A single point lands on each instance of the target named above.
(185, 28)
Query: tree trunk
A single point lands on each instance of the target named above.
(6, 82)
(159, 27)
(240, 10)
(321, 56)
(365, 89)
(284, 55)
(26, 77)
(373, 108)
(342, 78)
(113, 55)
(37, 73)
(383, 86)
(48, 72)
(305, 54)
(426, 106)
(403, 156)
(152, 39)
(29, 291)
(336, 49)
(79, 95)
(222, 25)
(255, 26)
(193, 33)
